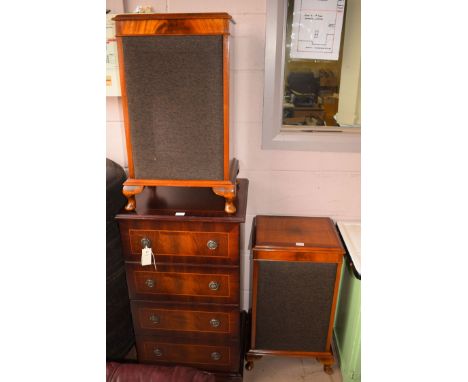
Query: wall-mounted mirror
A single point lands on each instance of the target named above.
(312, 75)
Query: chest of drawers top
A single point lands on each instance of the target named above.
(186, 204)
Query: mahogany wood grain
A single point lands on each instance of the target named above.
(123, 91)
(175, 311)
(173, 16)
(260, 352)
(226, 105)
(172, 23)
(177, 182)
(183, 283)
(197, 321)
(335, 300)
(275, 239)
(285, 232)
(136, 25)
(318, 257)
(198, 204)
(182, 242)
(253, 324)
(212, 356)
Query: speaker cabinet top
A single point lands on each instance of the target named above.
(295, 234)
(174, 75)
(172, 23)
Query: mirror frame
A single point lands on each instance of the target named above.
(273, 136)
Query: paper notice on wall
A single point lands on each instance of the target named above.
(112, 62)
(316, 29)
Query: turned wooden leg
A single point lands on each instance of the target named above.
(229, 194)
(130, 192)
(250, 358)
(327, 364)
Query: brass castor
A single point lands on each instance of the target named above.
(249, 365)
(328, 369)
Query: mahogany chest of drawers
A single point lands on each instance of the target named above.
(186, 310)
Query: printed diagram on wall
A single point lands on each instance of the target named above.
(112, 62)
(316, 29)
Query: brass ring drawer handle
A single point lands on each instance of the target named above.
(158, 352)
(216, 356)
(154, 319)
(212, 244)
(150, 283)
(213, 285)
(215, 323)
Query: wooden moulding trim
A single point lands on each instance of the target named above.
(171, 27)
(299, 257)
(254, 304)
(177, 183)
(304, 251)
(166, 16)
(333, 309)
(123, 88)
(291, 353)
(226, 105)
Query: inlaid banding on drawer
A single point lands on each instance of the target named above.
(185, 284)
(181, 243)
(218, 355)
(182, 320)
(199, 321)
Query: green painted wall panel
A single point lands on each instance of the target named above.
(347, 329)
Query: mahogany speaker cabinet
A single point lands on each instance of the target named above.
(296, 273)
(174, 76)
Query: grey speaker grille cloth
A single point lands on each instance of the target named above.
(294, 301)
(175, 106)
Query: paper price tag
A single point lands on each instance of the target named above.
(146, 254)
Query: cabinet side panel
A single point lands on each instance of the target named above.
(175, 105)
(294, 302)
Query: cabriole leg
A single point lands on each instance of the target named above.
(229, 194)
(130, 192)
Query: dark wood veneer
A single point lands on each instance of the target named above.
(305, 249)
(137, 26)
(173, 311)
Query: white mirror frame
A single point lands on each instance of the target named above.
(338, 140)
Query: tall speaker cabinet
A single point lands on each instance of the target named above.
(186, 302)
(174, 75)
(296, 273)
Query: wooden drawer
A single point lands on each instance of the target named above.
(182, 242)
(183, 283)
(219, 356)
(195, 320)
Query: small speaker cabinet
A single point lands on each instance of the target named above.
(174, 75)
(296, 272)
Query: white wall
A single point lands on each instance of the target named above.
(281, 182)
